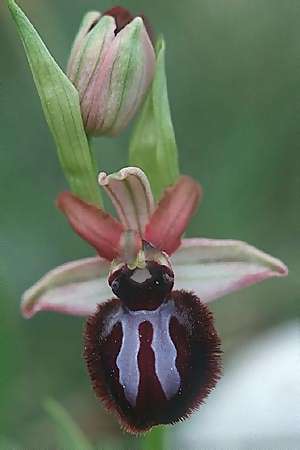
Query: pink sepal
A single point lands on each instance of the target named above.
(74, 288)
(213, 268)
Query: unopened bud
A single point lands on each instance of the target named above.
(112, 66)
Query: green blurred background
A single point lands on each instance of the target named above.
(234, 84)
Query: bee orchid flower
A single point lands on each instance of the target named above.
(152, 351)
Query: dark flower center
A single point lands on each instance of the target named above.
(142, 288)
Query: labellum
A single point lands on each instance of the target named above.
(153, 354)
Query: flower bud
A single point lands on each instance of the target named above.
(112, 66)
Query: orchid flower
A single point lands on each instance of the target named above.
(152, 352)
(210, 267)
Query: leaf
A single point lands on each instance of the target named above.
(153, 146)
(60, 102)
(70, 435)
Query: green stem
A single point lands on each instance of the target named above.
(154, 440)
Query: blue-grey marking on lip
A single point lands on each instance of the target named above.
(129, 375)
(165, 354)
(163, 347)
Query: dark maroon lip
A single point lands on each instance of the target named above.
(123, 17)
(153, 367)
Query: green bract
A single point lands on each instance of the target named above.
(153, 145)
(61, 107)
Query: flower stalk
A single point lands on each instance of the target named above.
(155, 439)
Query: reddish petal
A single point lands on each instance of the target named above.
(95, 226)
(172, 215)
